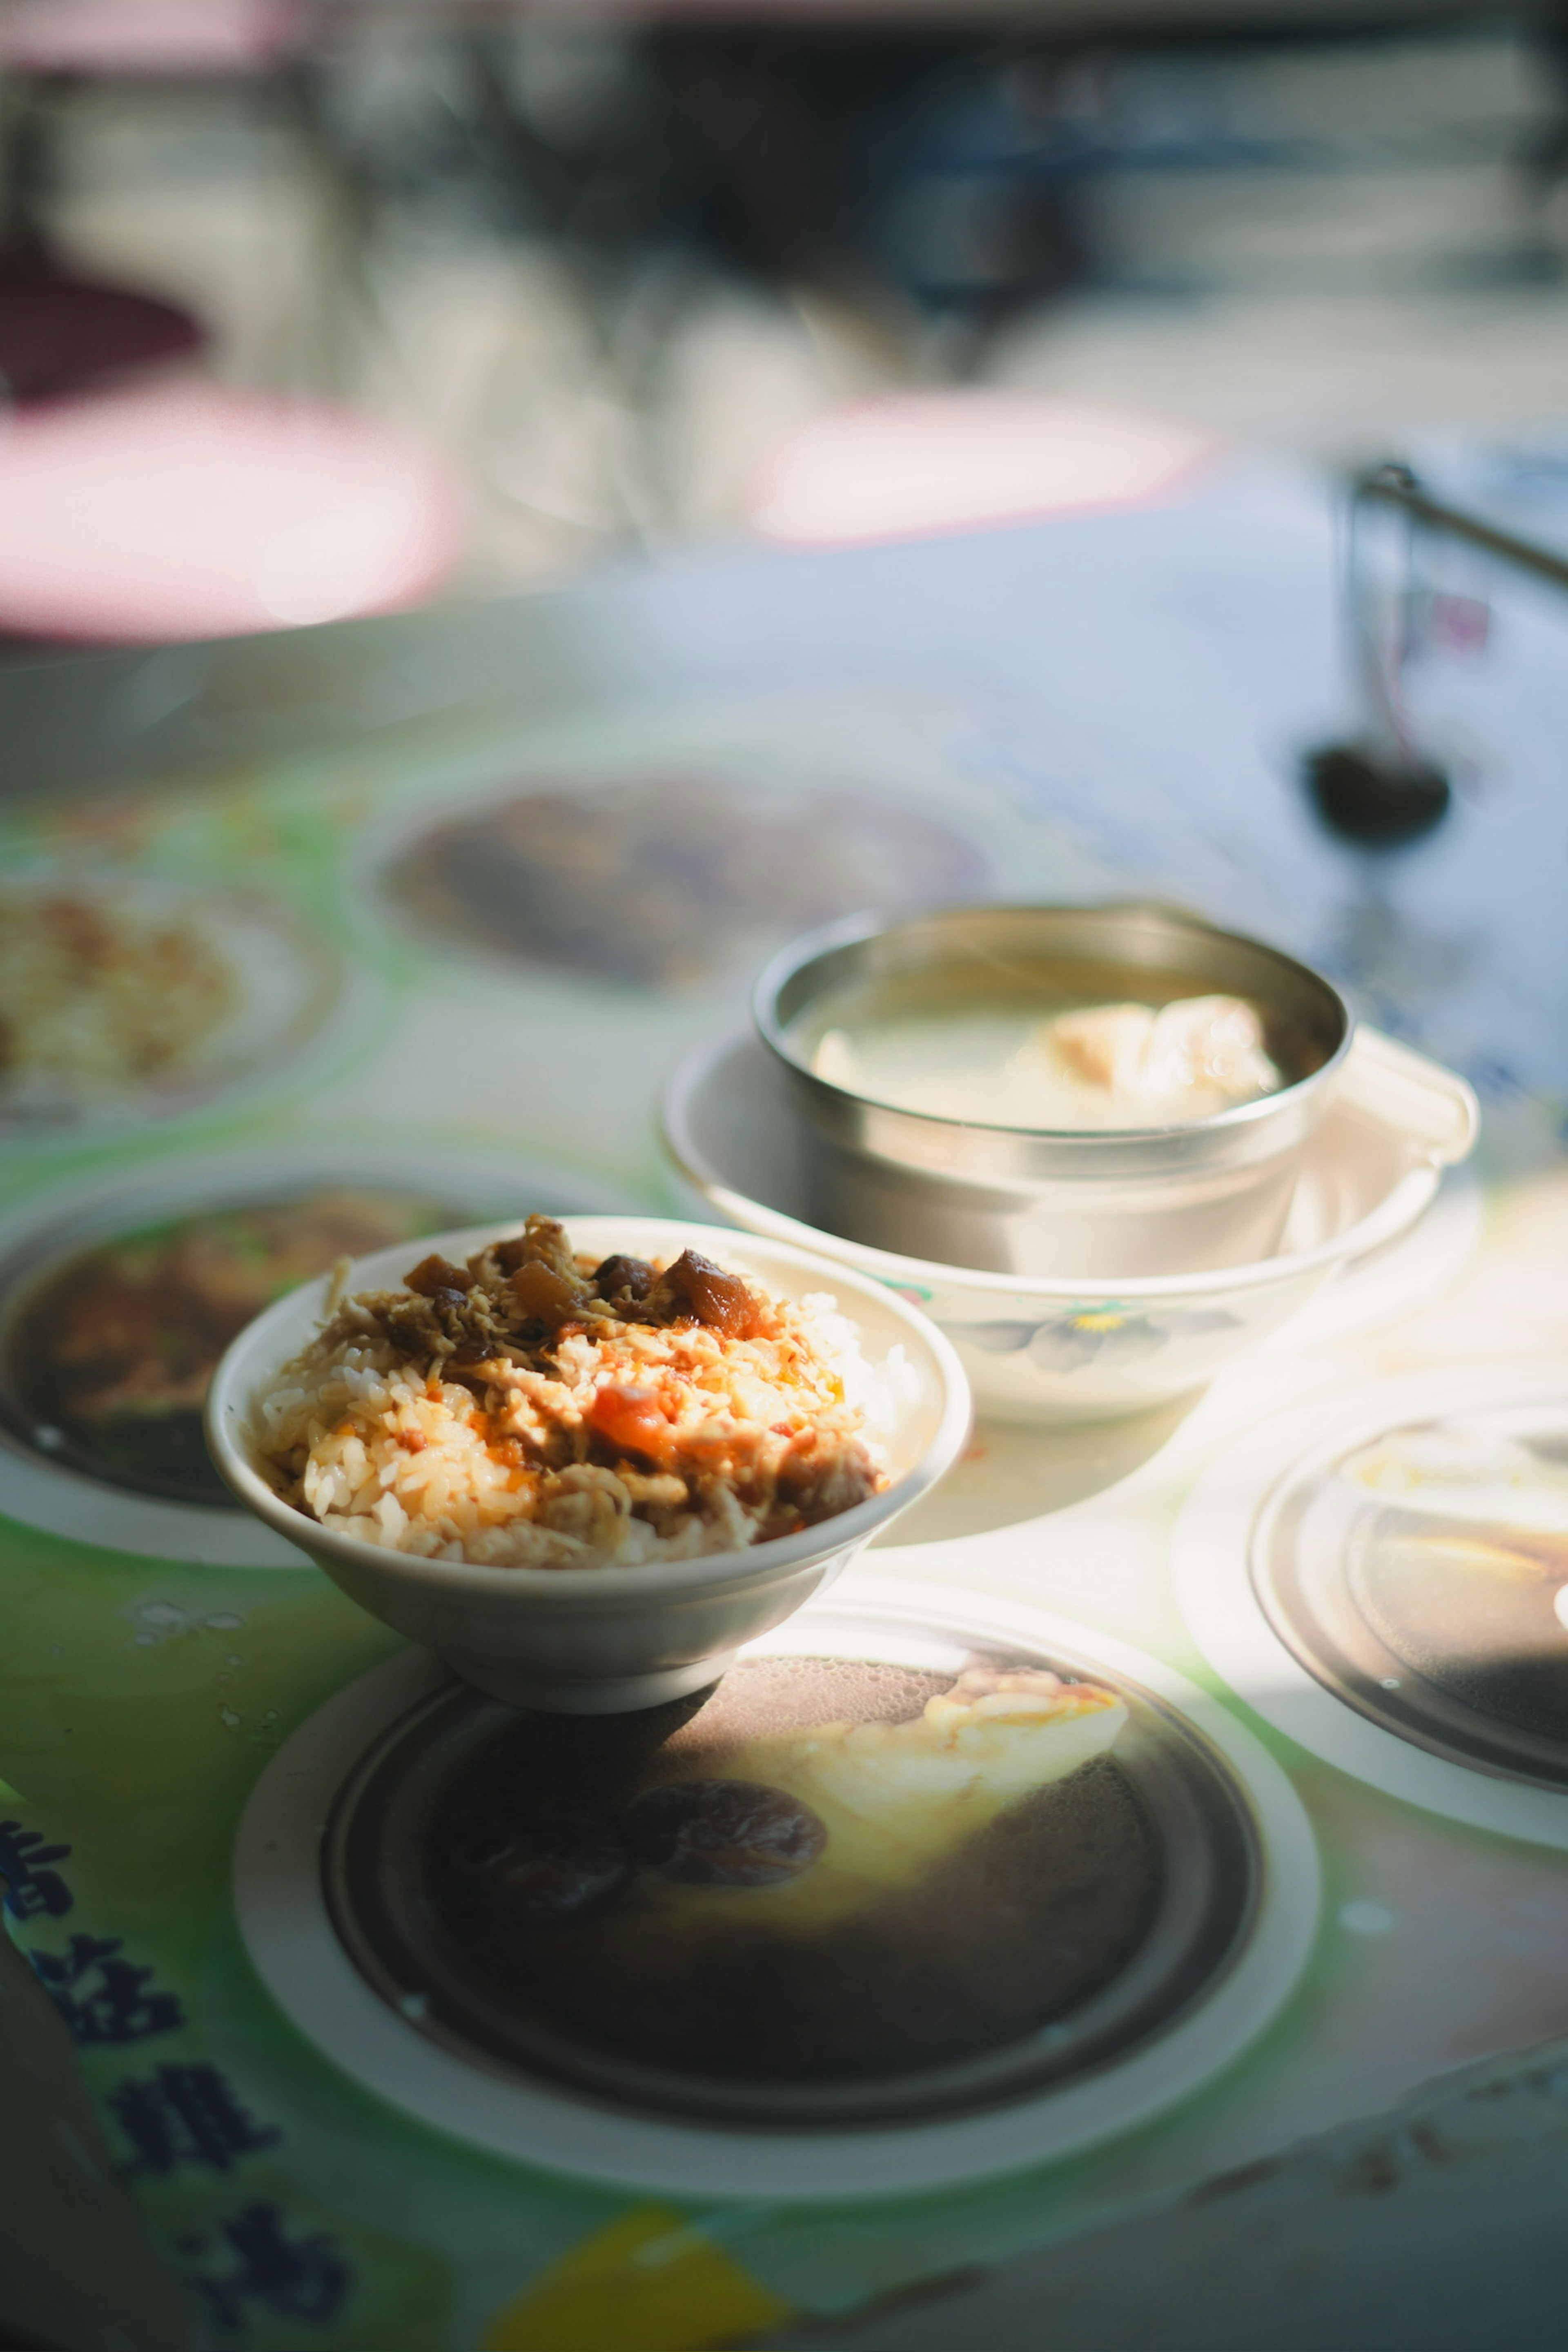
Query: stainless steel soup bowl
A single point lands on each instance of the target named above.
(1103, 1203)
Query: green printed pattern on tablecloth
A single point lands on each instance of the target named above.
(139, 1698)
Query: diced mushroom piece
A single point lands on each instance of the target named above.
(545, 1295)
(547, 1239)
(543, 1240)
(624, 1277)
(434, 1274)
(722, 1301)
(549, 1870)
(724, 1832)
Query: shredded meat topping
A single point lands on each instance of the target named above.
(620, 1388)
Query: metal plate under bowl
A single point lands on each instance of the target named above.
(1435, 1621)
(1382, 1584)
(1014, 1990)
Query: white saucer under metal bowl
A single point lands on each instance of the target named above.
(1037, 1349)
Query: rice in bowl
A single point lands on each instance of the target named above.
(529, 1409)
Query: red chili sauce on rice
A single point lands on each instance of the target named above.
(531, 1409)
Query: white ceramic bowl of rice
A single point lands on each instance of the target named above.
(619, 1628)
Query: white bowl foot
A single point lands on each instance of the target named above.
(580, 1695)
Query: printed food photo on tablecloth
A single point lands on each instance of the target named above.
(675, 850)
(885, 1902)
(116, 1307)
(1396, 1594)
(1426, 1580)
(109, 1351)
(128, 998)
(667, 880)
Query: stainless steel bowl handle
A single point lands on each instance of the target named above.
(1389, 1082)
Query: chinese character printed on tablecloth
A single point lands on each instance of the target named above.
(290, 2278)
(185, 2115)
(30, 1887)
(102, 1997)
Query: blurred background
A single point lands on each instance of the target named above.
(447, 301)
(314, 308)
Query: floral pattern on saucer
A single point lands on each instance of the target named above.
(1085, 1335)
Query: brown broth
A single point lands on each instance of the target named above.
(109, 1357)
(1016, 1925)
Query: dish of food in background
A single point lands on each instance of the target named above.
(666, 881)
(108, 1356)
(1183, 1070)
(1008, 1062)
(98, 996)
(1065, 1350)
(774, 1902)
(532, 1408)
(898, 1901)
(1381, 1579)
(134, 998)
(653, 1621)
(114, 1311)
(1418, 1580)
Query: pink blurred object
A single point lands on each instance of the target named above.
(122, 37)
(919, 463)
(192, 511)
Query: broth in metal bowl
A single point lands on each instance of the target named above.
(1072, 1090)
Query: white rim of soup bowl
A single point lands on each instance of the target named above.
(234, 1383)
(1410, 1194)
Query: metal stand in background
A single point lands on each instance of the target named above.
(1383, 789)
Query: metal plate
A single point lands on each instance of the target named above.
(1404, 1630)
